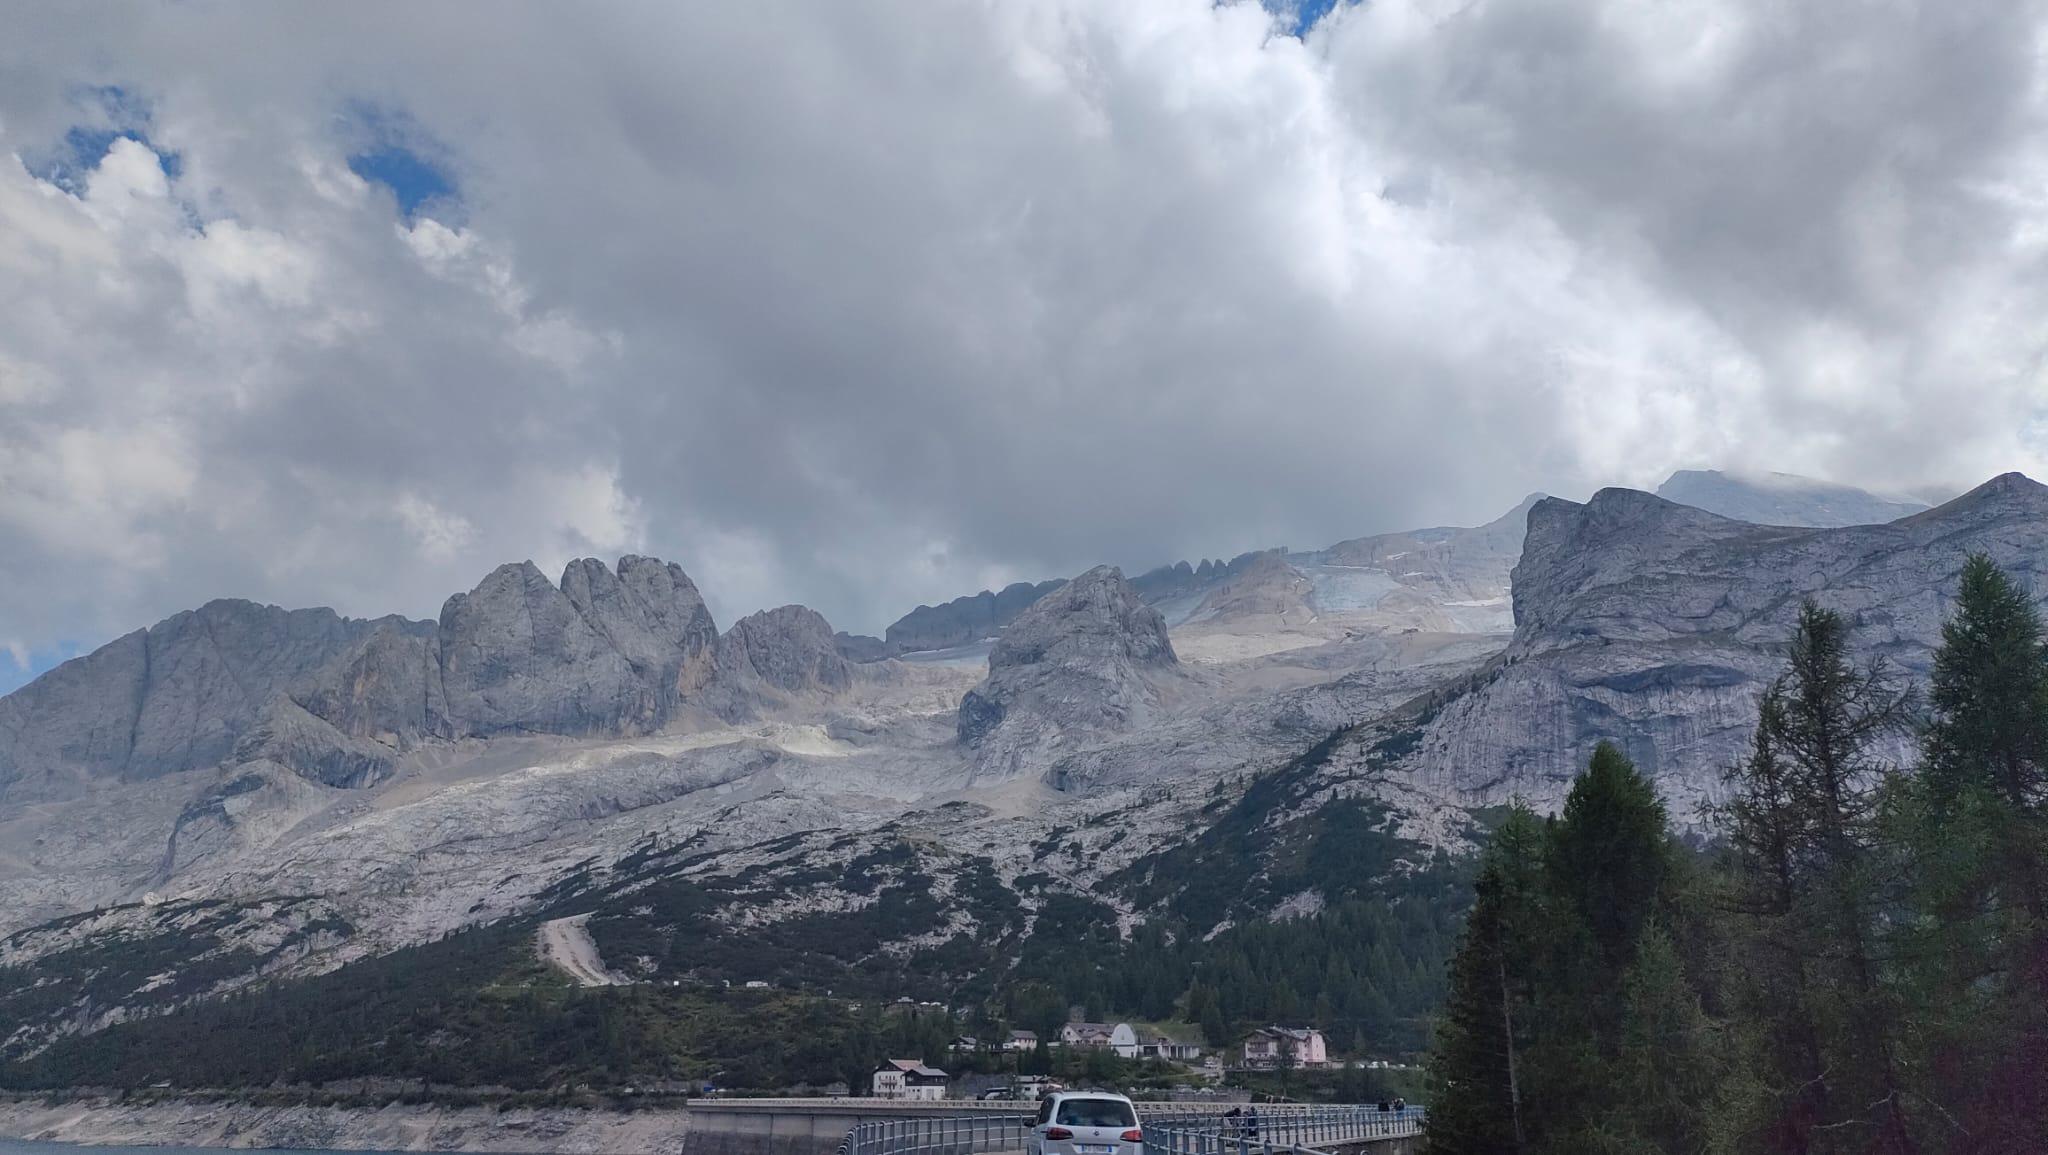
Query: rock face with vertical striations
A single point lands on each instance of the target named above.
(338, 701)
(1656, 625)
(1087, 659)
(174, 697)
(774, 658)
(289, 735)
(652, 614)
(387, 690)
(517, 655)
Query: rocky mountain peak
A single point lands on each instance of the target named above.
(1088, 658)
(1617, 509)
(1266, 588)
(171, 698)
(790, 649)
(1095, 618)
(612, 649)
(1655, 625)
(1617, 537)
(2008, 494)
(650, 611)
(518, 654)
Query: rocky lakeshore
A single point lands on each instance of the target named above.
(395, 1127)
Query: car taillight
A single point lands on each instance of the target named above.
(1133, 1136)
(1058, 1133)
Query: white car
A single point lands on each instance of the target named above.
(1086, 1123)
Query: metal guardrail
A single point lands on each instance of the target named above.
(1170, 1129)
(1276, 1128)
(940, 1135)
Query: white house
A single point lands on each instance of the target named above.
(1085, 1035)
(1123, 1040)
(1161, 1047)
(1286, 1046)
(909, 1079)
(1021, 1041)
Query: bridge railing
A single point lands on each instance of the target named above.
(940, 1134)
(1275, 1129)
(1170, 1129)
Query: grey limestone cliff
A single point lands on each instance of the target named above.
(387, 690)
(652, 614)
(1656, 625)
(338, 701)
(1086, 659)
(174, 697)
(777, 657)
(516, 654)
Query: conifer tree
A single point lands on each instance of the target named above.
(1477, 1109)
(1813, 892)
(1607, 859)
(1780, 1041)
(1667, 1074)
(1979, 825)
(1608, 856)
(1989, 731)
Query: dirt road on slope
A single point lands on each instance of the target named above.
(566, 943)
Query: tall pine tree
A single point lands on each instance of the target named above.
(1561, 1032)
(1608, 860)
(1979, 825)
(1778, 1036)
(1484, 1026)
(1813, 891)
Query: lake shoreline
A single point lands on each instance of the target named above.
(223, 1123)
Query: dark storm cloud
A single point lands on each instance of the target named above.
(870, 305)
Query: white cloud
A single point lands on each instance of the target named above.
(441, 534)
(871, 306)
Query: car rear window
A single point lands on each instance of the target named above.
(1097, 1113)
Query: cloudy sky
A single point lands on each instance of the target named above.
(863, 305)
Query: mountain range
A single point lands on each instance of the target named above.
(245, 794)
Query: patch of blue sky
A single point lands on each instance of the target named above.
(392, 150)
(20, 667)
(410, 177)
(1302, 15)
(106, 114)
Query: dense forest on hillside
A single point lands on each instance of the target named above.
(1861, 967)
(477, 1009)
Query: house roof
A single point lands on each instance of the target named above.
(912, 1067)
